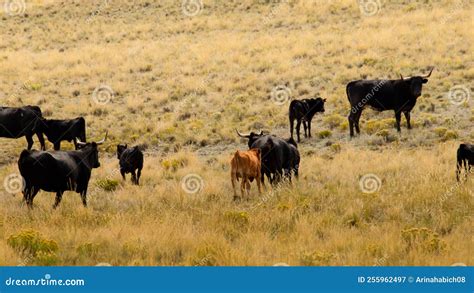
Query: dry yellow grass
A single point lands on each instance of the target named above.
(182, 84)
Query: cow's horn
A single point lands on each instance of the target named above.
(401, 76)
(79, 142)
(242, 135)
(103, 140)
(429, 74)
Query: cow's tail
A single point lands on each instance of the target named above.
(460, 161)
(291, 112)
(22, 161)
(348, 91)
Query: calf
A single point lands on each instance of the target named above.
(68, 130)
(304, 111)
(465, 159)
(131, 160)
(246, 165)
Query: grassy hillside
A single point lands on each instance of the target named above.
(178, 80)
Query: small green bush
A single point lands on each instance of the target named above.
(32, 243)
(107, 184)
(324, 134)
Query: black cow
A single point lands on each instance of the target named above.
(58, 171)
(59, 130)
(399, 95)
(131, 159)
(277, 155)
(23, 121)
(465, 158)
(303, 111)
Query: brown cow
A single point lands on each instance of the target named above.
(246, 165)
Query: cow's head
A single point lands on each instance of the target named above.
(40, 125)
(252, 136)
(90, 150)
(316, 105)
(120, 149)
(415, 83)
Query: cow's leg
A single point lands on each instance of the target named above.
(29, 140)
(84, 197)
(298, 127)
(309, 128)
(242, 186)
(139, 173)
(458, 169)
(258, 186)
(398, 118)
(134, 177)
(407, 117)
(351, 124)
(357, 120)
(305, 126)
(26, 194)
(295, 170)
(57, 146)
(287, 173)
(467, 167)
(292, 121)
(41, 140)
(59, 196)
(31, 195)
(247, 184)
(232, 179)
(122, 172)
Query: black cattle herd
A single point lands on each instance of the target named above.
(59, 171)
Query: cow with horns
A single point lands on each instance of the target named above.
(58, 171)
(279, 157)
(399, 95)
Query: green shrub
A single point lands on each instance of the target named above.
(450, 134)
(31, 242)
(334, 120)
(424, 239)
(440, 131)
(107, 184)
(240, 219)
(335, 147)
(324, 134)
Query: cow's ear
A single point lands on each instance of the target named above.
(324, 100)
(126, 145)
(425, 80)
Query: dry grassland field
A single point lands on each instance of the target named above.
(179, 78)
